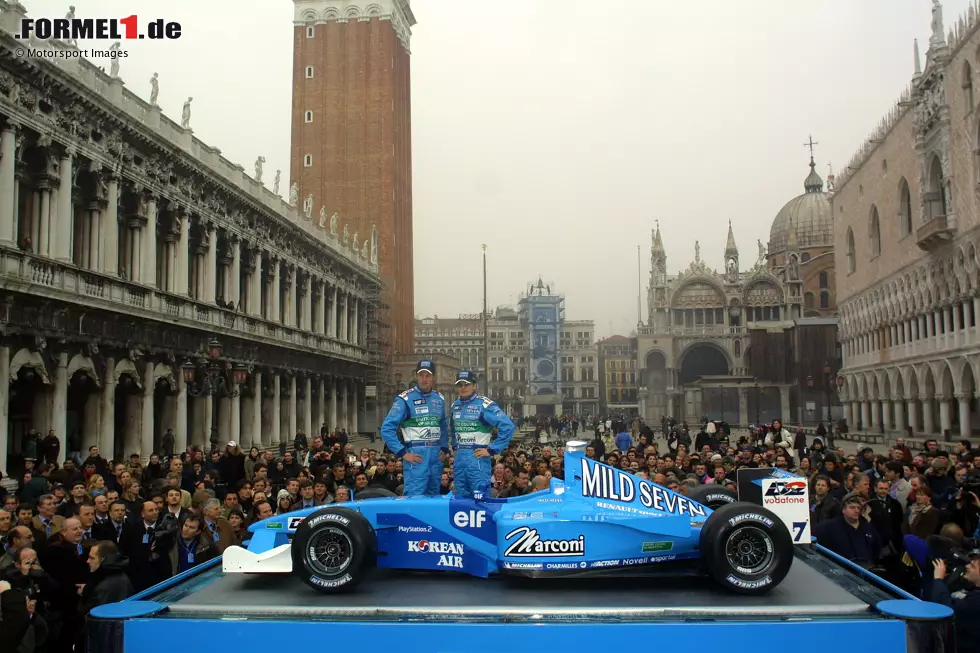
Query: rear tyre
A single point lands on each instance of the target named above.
(334, 549)
(746, 548)
(713, 496)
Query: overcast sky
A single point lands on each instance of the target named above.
(558, 131)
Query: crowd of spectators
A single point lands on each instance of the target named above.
(92, 531)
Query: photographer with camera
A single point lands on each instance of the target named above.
(960, 591)
(964, 509)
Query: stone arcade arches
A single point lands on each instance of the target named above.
(933, 398)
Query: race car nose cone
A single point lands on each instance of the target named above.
(575, 445)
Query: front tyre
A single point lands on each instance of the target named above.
(746, 548)
(334, 549)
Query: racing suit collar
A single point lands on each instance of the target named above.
(472, 397)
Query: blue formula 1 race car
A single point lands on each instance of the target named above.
(598, 521)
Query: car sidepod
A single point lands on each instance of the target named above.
(565, 535)
(439, 535)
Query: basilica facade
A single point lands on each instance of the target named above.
(148, 284)
(696, 351)
(908, 229)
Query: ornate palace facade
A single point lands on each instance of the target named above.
(148, 284)
(695, 352)
(908, 225)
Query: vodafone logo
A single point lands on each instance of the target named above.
(787, 489)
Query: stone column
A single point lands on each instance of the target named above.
(783, 404)
(150, 244)
(865, 415)
(308, 408)
(146, 414)
(743, 407)
(963, 398)
(913, 408)
(236, 277)
(4, 403)
(212, 265)
(110, 229)
(236, 414)
(886, 415)
(342, 402)
(180, 428)
(255, 285)
(928, 417)
(307, 323)
(293, 303)
(873, 406)
(276, 411)
(64, 228)
(292, 410)
(846, 409)
(95, 238)
(321, 383)
(107, 440)
(59, 404)
(898, 408)
(332, 327)
(945, 416)
(205, 437)
(257, 410)
(354, 402)
(183, 257)
(8, 216)
(332, 425)
(274, 311)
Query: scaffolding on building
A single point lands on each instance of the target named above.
(380, 359)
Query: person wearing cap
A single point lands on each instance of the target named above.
(420, 413)
(471, 427)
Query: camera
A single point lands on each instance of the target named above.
(972, 483)
(957, 556)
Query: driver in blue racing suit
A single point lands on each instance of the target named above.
(473, 421)
(421, 415)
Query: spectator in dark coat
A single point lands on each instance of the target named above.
(231, 467)
(147, 566)
(51, 446)
(108, 582)
(63, 560)
(850, 535)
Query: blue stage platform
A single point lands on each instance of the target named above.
(824, 599)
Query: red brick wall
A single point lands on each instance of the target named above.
(360, 139)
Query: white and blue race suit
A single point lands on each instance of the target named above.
(471, 427)
(422, 418)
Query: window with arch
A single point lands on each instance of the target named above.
(824, 299)
(935, 198)
(874, 233)
(310, 32)
(851, 258)
(824, 280)
(804, 257)
(808, 300)
(308, 116)
(968, 86)
(905, 207)
(307, 160)
(309, 72)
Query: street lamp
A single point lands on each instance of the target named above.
(214, 381)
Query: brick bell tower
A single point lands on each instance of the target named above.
(351, 141)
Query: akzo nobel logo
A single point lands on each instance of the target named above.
(77, 29)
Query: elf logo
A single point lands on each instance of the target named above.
(470, 518)
(786, 489)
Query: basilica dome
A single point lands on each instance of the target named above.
(808, 216)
